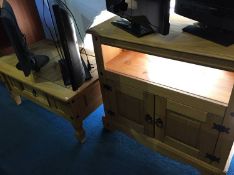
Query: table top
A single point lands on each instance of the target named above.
(49, 79)
(176, 45)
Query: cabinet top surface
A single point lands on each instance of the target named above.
(175, 43)
(49, 79)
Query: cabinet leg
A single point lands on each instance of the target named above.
(107, 123)
(80, 132)
(16, 98)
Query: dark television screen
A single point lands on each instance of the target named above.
(215, 17)
(211, 12)
(72, 66)
(156, 12)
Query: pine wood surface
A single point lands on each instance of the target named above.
(46, 87)
(177, 45)
(188, 98)
(207, 82)
(49, 79)
(163, 148)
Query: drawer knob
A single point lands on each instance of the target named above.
(34, 93)
(148, 119)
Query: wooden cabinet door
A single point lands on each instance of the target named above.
(186, 129)
(182, 127)
(129, 106)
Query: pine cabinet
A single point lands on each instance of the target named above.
(180, 126)
(171, 93)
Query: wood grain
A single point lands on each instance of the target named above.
(177, 45)
(46, 87)
(46, 80)
(202, 81)
(167, 150)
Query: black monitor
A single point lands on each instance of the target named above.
(215, 17)
(141, 17)
(73, 67)
(27, 60)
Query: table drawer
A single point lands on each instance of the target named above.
(35, 94)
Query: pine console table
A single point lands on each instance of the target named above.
(172, 93)
(46, 87)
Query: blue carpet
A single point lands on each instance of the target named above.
(34, 141)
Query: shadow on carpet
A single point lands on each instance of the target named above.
(34, 141)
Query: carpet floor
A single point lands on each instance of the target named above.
(34, 141)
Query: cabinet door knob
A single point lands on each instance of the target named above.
(148, 119)
(159, 122)
(107, 87)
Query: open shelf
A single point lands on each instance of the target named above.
(198, 80)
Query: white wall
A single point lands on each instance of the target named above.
(39, 4)
(86, 12)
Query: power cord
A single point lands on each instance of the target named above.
(51, 35)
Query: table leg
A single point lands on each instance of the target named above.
(80, 132)
(107, 123)
(16, 98)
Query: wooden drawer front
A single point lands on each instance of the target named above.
(35, 94)
(63, 108)
(25, 90)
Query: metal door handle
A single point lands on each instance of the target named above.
(34, 92)
(159, 123)
(148, 119)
